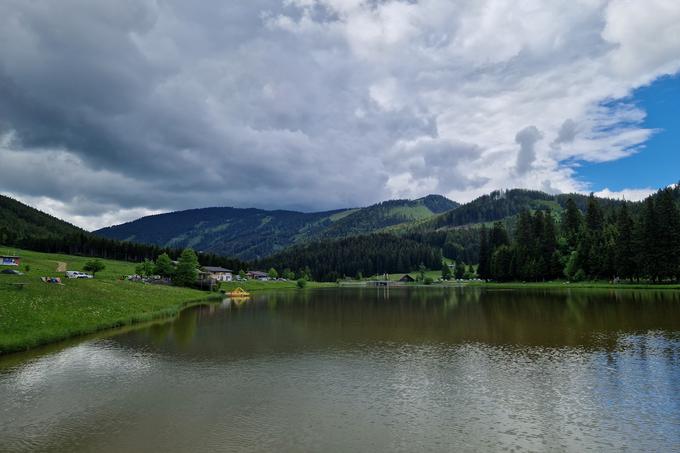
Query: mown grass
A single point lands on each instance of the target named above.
(41, 313)
(256, 285)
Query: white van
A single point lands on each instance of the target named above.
(77, 274)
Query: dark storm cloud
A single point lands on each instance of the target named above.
(112, 108)
(173, 114)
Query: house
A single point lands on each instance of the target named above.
(258, 275)
(407, 279)
(219, 274)
(9, 260)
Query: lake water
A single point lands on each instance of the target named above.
(364, 370)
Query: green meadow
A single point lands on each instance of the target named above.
(37, 313)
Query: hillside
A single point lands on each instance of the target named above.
(386, 214)
(19, 221)
(500, 205)
(256, 233)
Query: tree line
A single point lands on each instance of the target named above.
(379, 253)
(631, 241)
(85, 244)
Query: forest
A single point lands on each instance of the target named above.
(631, 241)
(371, 254)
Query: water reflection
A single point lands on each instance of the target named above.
(291, 321)
(366, 369)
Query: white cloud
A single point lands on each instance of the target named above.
(628, 194)
(114, 109)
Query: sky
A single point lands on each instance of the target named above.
(112, 110)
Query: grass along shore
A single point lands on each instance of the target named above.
(256, 285)
(41, 313)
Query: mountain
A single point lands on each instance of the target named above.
(19, 221)
(256, 233)
(504, 204)
(386, 214)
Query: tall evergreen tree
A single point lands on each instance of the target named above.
(571, 223)
(626, 265)
(668, 235)
(647, 240)
(497, 237)
(484, 268)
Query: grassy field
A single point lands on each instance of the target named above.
(42, 313)
(255, 285)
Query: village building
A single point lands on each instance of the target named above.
(407, 279)
(258, 275)
(219, 274)
(10, 260)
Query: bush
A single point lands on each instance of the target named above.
(301, 283)
(428, 280)
(94, 266)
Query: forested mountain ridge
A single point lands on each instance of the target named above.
(501, 204)
(388, 213)
(18, 221)
(25, 227)
(256, 233)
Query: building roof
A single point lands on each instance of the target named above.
(406, 278)
(263, 274)
(215, 269)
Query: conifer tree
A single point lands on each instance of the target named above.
(668, 235)
(484, 268)
(571, 223)
(626, 265)
(647, 240)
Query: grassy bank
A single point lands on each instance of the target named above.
(255, 285)
(565, 285)
(41, 313)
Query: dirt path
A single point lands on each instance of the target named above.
(61, 266)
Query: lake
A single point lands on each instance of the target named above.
(404, 369)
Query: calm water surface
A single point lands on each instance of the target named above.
(364, 370)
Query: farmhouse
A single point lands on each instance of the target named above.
(219, 274)
(9, 260)
(258, 275)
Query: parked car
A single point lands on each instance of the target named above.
(11, 272)
(77, 274)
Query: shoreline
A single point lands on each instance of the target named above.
(167, 313)
(40, 340)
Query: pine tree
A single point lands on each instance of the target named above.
(459, 270)
(446, 271)
(497, 237)
(484, 268)
(668, 235)
(626, 265)
(647, 242)
(594, 216)
(571, 224)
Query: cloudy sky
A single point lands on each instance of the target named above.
(110, 110)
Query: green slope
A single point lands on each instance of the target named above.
(254, 233)
(18, 221)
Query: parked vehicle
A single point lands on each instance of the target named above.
(78, 274)
(11, 272)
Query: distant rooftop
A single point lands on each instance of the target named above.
(215, 269)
